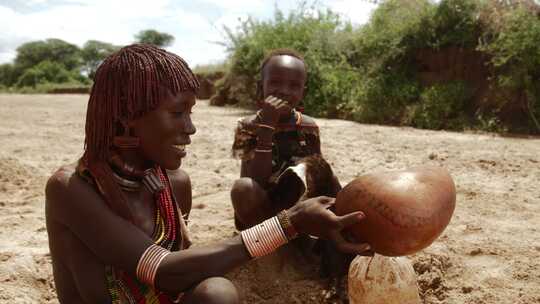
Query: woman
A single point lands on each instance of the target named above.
(116, 219)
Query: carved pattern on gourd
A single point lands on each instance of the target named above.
(396, 218)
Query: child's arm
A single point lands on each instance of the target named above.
(259, 168)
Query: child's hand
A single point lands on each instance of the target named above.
(313, 217)
(272, 109)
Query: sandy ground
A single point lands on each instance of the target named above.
(490, 252)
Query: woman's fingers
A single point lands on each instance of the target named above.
(326, 201)
(349, 247)
(351, 218)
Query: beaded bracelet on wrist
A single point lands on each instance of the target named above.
(288, 228)
(263, 145)
(258, 150)
(265, 126)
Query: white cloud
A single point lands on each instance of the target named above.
(233, 5)
(99, 20)
(357, 11)
(232, 21)
(194, 29)
(193, 35)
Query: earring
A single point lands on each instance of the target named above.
(126, 141)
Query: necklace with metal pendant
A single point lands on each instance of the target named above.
(152, 182)
(148, 177)
(127, 184)
(149, 180)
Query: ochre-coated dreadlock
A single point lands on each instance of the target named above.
(128, 84)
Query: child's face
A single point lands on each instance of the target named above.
(284, 77)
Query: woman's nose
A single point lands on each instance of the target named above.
(189, 127)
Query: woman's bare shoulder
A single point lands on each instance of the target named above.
(179, 177)
(181, 184)
(65, 190)
(60, 180)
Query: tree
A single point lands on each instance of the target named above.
(46, 72)
(154, 37)
(7, 75)
(93, 53)
(53, 50)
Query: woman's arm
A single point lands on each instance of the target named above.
(75, 204)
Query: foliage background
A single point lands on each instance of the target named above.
(451, 64)
(57, 66)
(487, 76)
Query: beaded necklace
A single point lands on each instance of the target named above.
(124, 288)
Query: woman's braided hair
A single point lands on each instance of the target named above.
(127, 85)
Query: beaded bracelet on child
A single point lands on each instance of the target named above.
(264, 145)
(260, 240)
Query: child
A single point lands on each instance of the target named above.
(273, 142)
(116, 219)
(274, 139)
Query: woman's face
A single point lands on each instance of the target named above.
(165, 131)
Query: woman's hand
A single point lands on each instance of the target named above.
(313, 217)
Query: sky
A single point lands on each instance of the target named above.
(196, 24)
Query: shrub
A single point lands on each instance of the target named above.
(45, 72)
(442, 106)
(372, 73)
(513, 44)
(312, 33)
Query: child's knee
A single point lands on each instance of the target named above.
(241, 189)
(216, 290)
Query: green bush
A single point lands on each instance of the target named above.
(513, 44)
(53, 88)
(385, 50)
(455, 23)
(372, 74)
(441, 106)
(7, 74)
(211, 69)
(395, 30)
(315, 34)
(45, 72)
